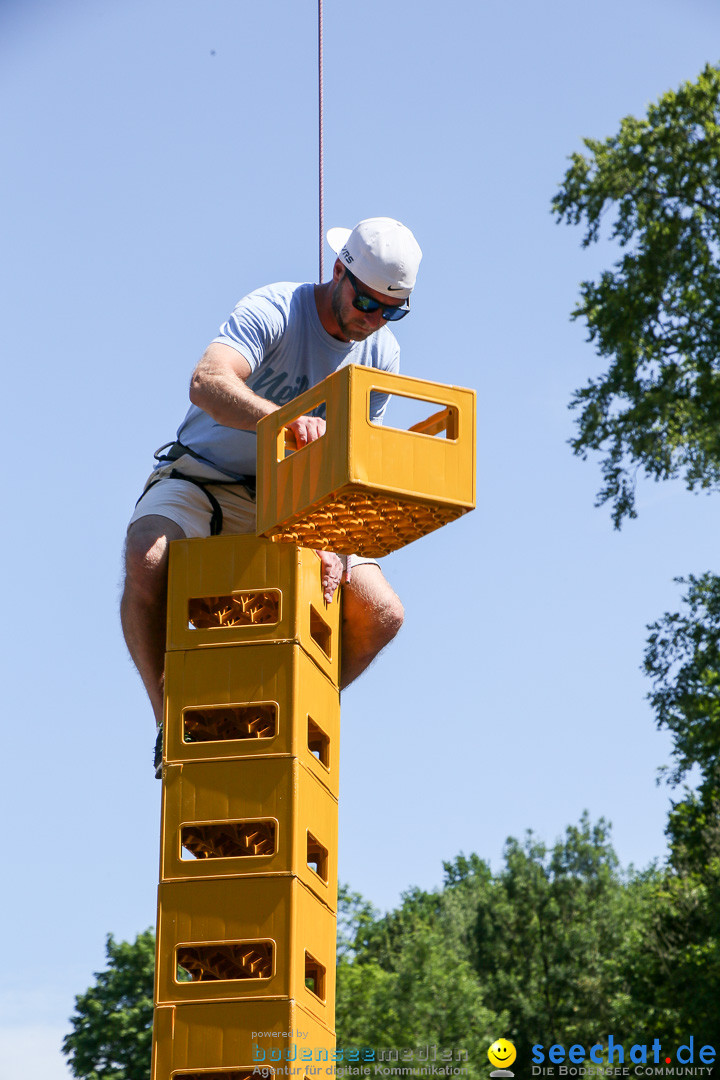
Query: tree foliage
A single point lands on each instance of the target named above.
(683, 660)
(549, 929)
(540, 951)
(656, 315)
(671, 959)
(558, 945)
(411, 982)
(111, 1035)
(681, 976)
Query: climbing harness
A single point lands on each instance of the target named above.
(177, 450)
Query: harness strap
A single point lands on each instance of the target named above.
(216, 517)
(176, 450)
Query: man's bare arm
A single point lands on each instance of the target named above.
(218, 387)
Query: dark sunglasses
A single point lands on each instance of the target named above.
(367, 304)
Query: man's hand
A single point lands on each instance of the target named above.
(332, 570)
(306, 429)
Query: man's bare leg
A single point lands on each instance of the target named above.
(144, 603)
(372, 616)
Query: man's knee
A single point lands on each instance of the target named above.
(392, 614)
(371, 602)
(146, 552)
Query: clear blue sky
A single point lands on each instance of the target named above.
(159, 162)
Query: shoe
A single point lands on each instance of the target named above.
(158, 754)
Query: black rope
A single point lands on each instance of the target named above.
(321, 149)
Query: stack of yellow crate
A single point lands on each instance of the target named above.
(245, 973)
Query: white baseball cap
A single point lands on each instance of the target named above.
(380, 252)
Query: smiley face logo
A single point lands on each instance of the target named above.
(502, 1053)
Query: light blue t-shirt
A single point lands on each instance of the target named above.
(278, 331)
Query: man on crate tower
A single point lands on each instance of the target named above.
(278, 341)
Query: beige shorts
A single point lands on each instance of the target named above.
(189, 507)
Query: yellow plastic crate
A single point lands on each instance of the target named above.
(246, 938)
(269, 816)
(238, 590)
(364, 487)
(252, 702)
(228, 1040)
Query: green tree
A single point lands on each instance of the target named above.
(683, 660)
(670, 960)
(556, 946)
(411, 984)
(545, 950)
(355, 915)
(550, 929)
(682, 944)
(111, 1035)
(656, 315)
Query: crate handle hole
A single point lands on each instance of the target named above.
(317, 857)
(220, 723)
(413, 414)
(320, 632)
(314, 976)
(318, 743)
(228, 839)
(287, 443)
(225, 961)
(254, 607)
